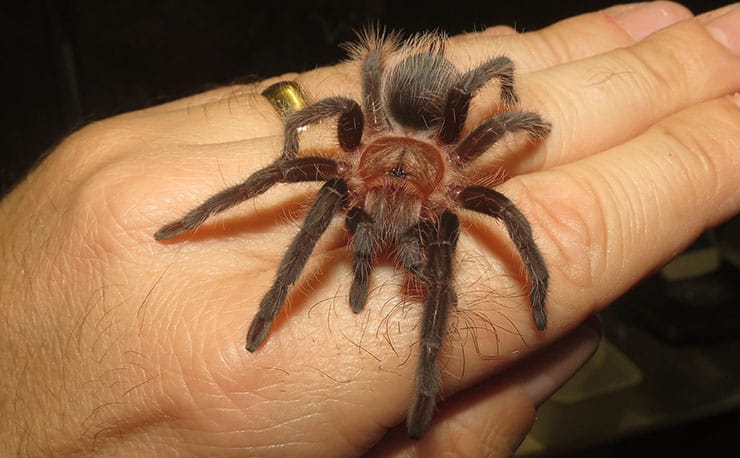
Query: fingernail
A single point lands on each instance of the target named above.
(725, 27)
(641, 19)
(569, 354)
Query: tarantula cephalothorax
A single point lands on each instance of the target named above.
(401, 177)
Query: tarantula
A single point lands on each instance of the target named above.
(402, 174)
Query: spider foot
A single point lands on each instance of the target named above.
(172, 230)
(420, 416)
(538, 309)
(257, 332)
(358, 296)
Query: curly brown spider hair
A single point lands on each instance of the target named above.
(402, 174)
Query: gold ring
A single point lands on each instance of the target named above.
(286, 96)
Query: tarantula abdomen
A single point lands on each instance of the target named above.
(401, 173)
(415, 77)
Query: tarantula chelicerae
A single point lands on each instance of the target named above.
(401, 177)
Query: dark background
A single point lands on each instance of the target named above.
(68, 62)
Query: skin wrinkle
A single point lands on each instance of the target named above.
(535, 93)
(692, 62)
(695, 158)
(651, 75)
(604, 260)
(574, 49)
(225, 104)
(698, 166)
(633, 217)
(567, 224)
(608, 174)
(554, 45)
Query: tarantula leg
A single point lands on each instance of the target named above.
(440, 298)
(349, 124)
(290, 171)
(459, 96)
(493, 203)
(372, 73)
(330, 199)
(361, 224)
(491, 131)
(410, 253)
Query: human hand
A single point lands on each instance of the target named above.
(116, 342)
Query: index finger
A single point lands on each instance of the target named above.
(575, 38)
(565, 41)
(234, 112)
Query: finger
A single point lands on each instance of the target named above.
(207, 127)
(492, 418)
(573, 38)
(231, 113)
(596, 103)
(226, 114)
(216, 95)
(608, 220)
(221, 115)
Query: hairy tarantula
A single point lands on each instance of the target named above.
(402, 175)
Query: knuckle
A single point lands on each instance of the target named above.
(578, 37)
(650, 76)
(702, 143)
(677, 65)
(542, 93)
(102, 208)
(92, 146)
(554, 45)
(569, 221)
(98, 184)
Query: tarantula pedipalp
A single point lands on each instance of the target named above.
(401, 175)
